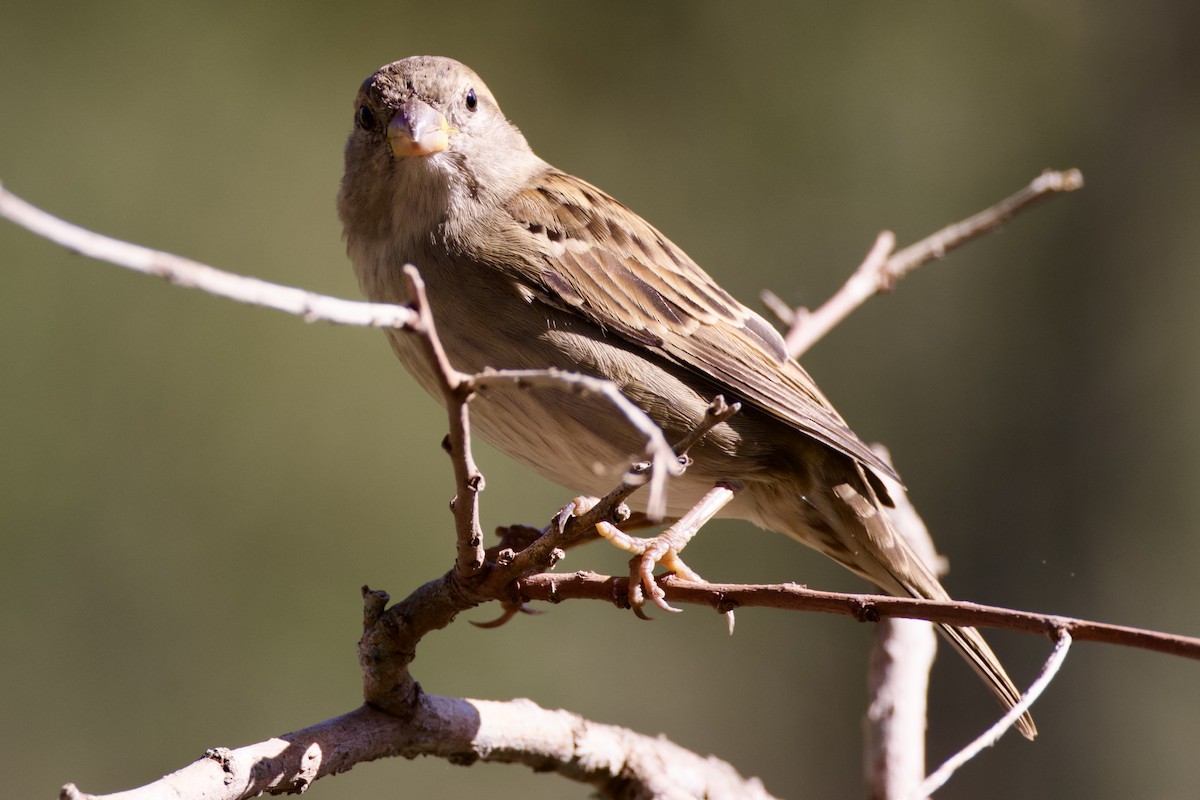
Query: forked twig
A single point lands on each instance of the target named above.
(882, 268)
(457, 389)
(938, 777)
(575, 521)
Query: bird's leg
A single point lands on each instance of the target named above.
(664, 549)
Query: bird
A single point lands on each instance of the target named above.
(528, 267)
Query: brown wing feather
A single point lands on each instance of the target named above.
(610, 265)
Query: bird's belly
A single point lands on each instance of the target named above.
(578, 440)
(581, 443)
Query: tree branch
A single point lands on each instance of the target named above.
(882, 268)
(902, 655)
(942, 774)
(190, 274)
(391, 634)
(456, 388)
(553, 588)
(617, 762)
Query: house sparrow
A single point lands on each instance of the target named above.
(527, 267)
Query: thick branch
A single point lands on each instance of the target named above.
(619, 763)
(898, 674)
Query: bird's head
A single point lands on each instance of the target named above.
(429, 135)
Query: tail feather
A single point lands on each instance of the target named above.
(971, 646)
(878, 552)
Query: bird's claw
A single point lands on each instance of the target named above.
(510, 610)
(576, 508)
(649, 552)
(664, 549)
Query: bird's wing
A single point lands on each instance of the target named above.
(611, 266)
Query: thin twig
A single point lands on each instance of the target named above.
(877, 273)
(573, 523)
(1043, 187)
(870, 277)
(456, 388)
(191, 274)
(718, 411)
(662, 456)
(863, 607)
(780, 308)
(938, 778)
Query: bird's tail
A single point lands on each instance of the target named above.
(872, 547)
(971, 646)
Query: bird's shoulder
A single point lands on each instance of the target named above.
(598, 254)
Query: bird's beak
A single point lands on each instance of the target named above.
(418, 129)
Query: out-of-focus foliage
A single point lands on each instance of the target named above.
(191, 492)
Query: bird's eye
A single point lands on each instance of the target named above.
(366, 118)
(472, 100)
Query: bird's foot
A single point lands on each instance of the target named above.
(648, 552)
(664, 549)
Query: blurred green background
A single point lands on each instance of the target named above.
(192, 491)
